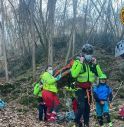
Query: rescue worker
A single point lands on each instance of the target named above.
(41, 106)
(84, 70)
(103, 97)
(49, 93)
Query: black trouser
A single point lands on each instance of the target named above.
(83, 107)
(42, 109)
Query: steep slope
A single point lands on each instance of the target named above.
(21, 104)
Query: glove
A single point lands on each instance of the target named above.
(41, 86)
(58, 77)
(94, 60)
(102, 102)
(110, 105)
(81, 59)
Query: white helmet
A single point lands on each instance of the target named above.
(119, 49)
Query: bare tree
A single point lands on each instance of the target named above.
(74, 25)
(31, 9)
(25, 30)
(50, 28)
(4, 40)
(85, 22)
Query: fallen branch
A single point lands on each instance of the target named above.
(118, 90)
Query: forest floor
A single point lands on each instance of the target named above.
(21, 108)
(16, 115)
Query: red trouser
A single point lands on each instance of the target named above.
(51, 100)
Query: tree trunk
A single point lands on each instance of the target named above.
(31, 11)
(63, 18)
(74, 25)
(33, 56)
(85, 23)
(73, 42)
(69, 50)
(50, 29)
(4, 41)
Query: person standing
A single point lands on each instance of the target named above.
(49, 92)
(103, 97)
(41, 104)
(84, 70)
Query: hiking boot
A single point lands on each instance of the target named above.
(45, 118)
(48, 115)
(53, 117)
(86, 126)
(80, 125)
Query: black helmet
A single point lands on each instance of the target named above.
(87, 49)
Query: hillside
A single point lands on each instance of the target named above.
(21, 104)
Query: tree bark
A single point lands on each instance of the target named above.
(50, 29)
(4, 41)
(85, 23)
(74, 25)
(32, 31)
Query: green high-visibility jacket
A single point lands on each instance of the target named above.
(84, 72)
(37, 91)
(49, 82)
(71, 90)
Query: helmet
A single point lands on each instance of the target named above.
(103, 76)
(87, 49)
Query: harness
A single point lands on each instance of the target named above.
(92, 68)
(87, 85)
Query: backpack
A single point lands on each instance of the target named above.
(70, 116)
(2, 104)
(121, 112)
